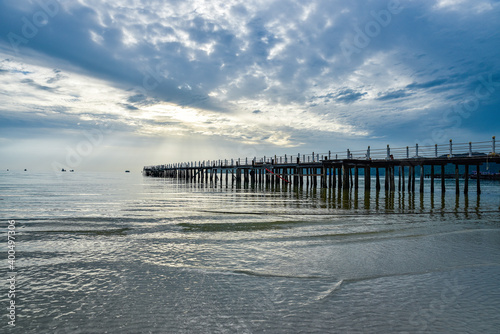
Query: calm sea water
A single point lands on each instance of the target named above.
(119, 253)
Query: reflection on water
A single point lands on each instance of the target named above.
(374, 201)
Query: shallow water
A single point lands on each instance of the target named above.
(119, 253)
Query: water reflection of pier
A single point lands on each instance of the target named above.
(400, 168)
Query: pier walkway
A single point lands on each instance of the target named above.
(342, 170)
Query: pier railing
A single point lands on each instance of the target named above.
(448, 150)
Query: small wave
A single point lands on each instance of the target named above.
(269, 274)
(238, 212)
(117, 231)
(246, 272)
(330, 291)
(232, 227)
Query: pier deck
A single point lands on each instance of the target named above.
(331, 171)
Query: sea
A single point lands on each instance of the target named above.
(123, 253)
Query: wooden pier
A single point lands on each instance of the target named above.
(400, 166)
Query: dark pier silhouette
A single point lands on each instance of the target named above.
(401, 167)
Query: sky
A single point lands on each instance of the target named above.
(115, 85)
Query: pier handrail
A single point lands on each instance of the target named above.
(448, 150)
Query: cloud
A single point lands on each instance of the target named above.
(392, 95)
(238, 71)
(36, 85)
(428, 84)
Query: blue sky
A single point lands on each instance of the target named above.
(117, 85)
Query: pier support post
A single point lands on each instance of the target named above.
(377, 179)
(345, 173)
(356, 177)
(334, 177)
(421, 178)
(387, 178)
(432, 179)
(443, 187)
(339, 178)
(412, 179)
(403, 178)
(457, 188)
(392, 181)
(409, 178)
(367, 178)
(466, 180)
(399, 178)
(478, 171)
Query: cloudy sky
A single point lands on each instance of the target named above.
(114, 85)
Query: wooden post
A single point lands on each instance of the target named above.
(443, 187)
(478, 179)
(466, 180)
(323, 177)
(432, 179)
(403, 178)
(356, 176)
(392, 181)
(330, 177)
(457, 188)
(340, 177)
(399, 178)
(409, 178)
(334, 177)
(306, 176)
(367, 178)
(377, 179)
(350, 177)
(301, 176)
(387, 178)
(422, 178)
(345, 172)
(413, 173)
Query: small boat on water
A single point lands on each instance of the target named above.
(25, 170)
(72, 170)
(127, 171)
(63, 170)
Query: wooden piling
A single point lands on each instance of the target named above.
(412, 179)
(377, 179)
(402, 178)
(409, 178)
(399, 178)
(387, 178)
(432, 179)
(392, 183)
(356, 177)
(367, 178)
(345, 173)
(466, 180)
(339, 179)
(443, 187)
(478, 180)
(422, 178)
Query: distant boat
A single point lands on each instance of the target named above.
(63, 170)
(7, 169)
(72, 170)
(127, 171)
(25, 170)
